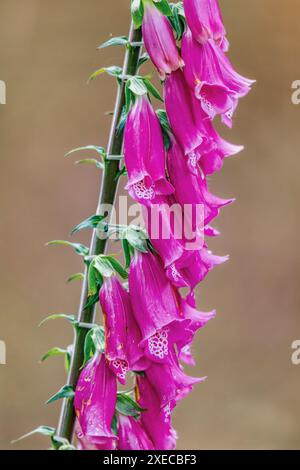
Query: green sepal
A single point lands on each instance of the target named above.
(116, 41)
(113, 71)
(127, 406)
(66, 391)
(126, 251)
(92, 222)
(137, 13)
(80, 249)
(165, 125)
(163, 6)
(177, 20)
(143, 59)
(94, 342)
(136, 238)
(91, 161)
(55, 352)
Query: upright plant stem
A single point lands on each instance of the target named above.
(98, 246)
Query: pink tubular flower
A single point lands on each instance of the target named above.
(83, 442)
(189, 271)
(170, 382)
(155, 307)
(132, 435)
(159, 40)
(191, 189)
(205, 21)
(210, 74)
(144, 153)
(95, 400)
(122, 333)
(193, 129)
(156, 421)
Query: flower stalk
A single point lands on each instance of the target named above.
(108, 192)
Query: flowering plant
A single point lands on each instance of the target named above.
(149, 323)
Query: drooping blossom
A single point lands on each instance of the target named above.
(170, 382)
(95, 400)
(155, 307)
(144, 153)
(192, 128)
(190, 270)
(131, 435)
(211, 76)
(205, 21)
(83, 443)
(191, 189)
(122, 333)
(159, 40)
(173, 229)
(155, 420)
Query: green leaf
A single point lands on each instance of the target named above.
(103, 266)
(124, 114)
(54, 352)
(100, 150)
(113, 71)
(80, 249)
(91, 222)
(69, 318)
(44, 430)
(76, 277)
(165, 125)
(151, 88)
(126, 251)
(137, 239)
(144, 58)
(65, 392)
(137, 13)
(90, 161)
(127, 406)
(163, 6)
(92, 300)
(177, 20)
(117, 267)
(118, 41)
(95, 280)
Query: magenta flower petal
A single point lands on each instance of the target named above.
(155, 307)
(193, 269)
(122, 333)
(205, 21)
(159, 41)
(144, 153)
(83, 442)
(191, 189)
(132, 435)
(170, 382)
(210, 74)
(95, 400)
(156, 421)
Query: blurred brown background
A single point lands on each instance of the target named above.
(47, 51)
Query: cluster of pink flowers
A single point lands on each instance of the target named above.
(149, 328)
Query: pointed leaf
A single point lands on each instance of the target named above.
(76, 277)
(65, 392)
(137, 13)
(163, 6)
(70, 318)
(151, 88)
(118, 41)
(80, 249)
(90, 161)
(54, 352)
(127, 406)
(91, 222)
(113, 71)
(117, 267)
(44, 430)
(99, 150)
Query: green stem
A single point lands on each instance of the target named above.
(98, 246)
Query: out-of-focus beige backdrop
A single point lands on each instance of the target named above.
(47, 50)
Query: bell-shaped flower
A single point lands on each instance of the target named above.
(155, 307)
(205, 21)
(95, 400)
(122, 335)
(192, 128)
(155, 420)
(210, 74)
(191, 190)
(131, 435)
(170, 382)
(83, 443)
(159, 40)
(189, 271)
(144, 152)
